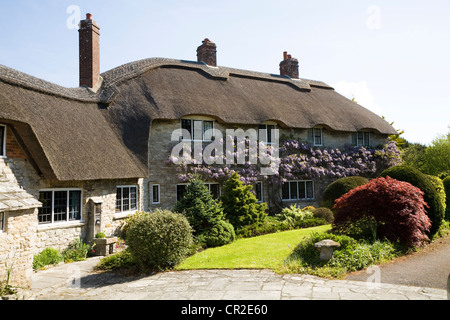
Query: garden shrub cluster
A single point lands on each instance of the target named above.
(160, 239)
(446, 183)
(435, 210)
(340, 187)
(394, 209)
(77, 251)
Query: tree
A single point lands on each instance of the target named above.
(437, 156)
(240, 204)
(199, 207)
(396, 208)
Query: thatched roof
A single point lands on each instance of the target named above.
(84, 135)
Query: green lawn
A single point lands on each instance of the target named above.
(263, 252)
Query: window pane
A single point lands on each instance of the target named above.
(119, 200)
(207, 125)
(367, 138)
(285, 191)
(125, 199)
(214, 190)
(302, 191)
(60, 206)
(198, 130)
(360, 138)
(187, 124)
(155, 194)
(293, 187)
(45, 212)
(181, 191)
(2, 221)
(318, 137)
(309, 190)
(269, 134)
(74, 205)
(2, 141)
(258, 191)
(133, 198)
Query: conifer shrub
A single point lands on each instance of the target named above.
(435, 211)
(221, 233)
(397, 209)
(199, 207)
(240, 204)
(160, 239)
(324, 213)
(340, 187)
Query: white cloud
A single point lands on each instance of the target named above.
(360, 92)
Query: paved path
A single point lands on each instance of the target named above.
(77, 281)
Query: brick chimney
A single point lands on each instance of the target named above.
(207, 53)
(89, 34)
(289, 66)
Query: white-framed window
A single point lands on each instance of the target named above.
(155, 194)
(315, 136)
(59, 205)
(265, 133)
(361, 139)
(214, 190)
(259, 191)
(198, 129)
(126, 198)
(2, 141)
(2, 222)
(297, 190)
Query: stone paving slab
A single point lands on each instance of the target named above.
(77, 281)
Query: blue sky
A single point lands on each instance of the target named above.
(392, 56)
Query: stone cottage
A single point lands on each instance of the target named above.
(76, 161)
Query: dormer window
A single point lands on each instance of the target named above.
(361, 139)
(199, 130)
(266, 133)
(315, 136)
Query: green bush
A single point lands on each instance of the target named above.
(77, 251)
(199, 207)
(293, 215)
(119, 261)
(435, 211)
(100, 235)
(240, 204)
(439, 186)
(324, 213)
(446, 183)
(218, 235)
(340, 187)
(160, 239)
(48, 256)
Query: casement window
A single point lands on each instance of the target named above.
(298, 190)
(2, 222)
(198, 129)
(315, 136)
(2, 141)
(214, 190)
(155, 194)
(361, 139)
(59, 205)
(265, 133)
(126, 198)
(259, 191)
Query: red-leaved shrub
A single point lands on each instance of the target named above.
(397, 207)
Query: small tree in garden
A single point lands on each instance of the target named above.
(397, 209)
(199, 207)
(240, 204)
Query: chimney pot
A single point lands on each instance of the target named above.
(88, 16)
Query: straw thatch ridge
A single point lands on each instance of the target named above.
(82, 135)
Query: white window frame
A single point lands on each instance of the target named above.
(122, 212)
(363, 133)
(3, 149)
(67, 221)
(2, 221)
(298, 195)
(316, 144)
(208, 184)
(192, 133)
(153, 193)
